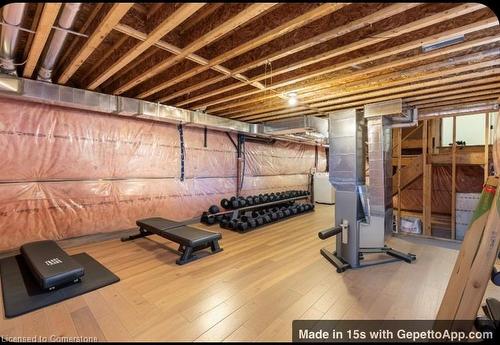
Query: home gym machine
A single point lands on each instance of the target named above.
(363, 213)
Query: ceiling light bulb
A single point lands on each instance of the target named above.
(292, 99)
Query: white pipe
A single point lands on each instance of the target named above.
(12, 14)
(66, 20)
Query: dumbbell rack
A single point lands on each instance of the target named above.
(236, 212)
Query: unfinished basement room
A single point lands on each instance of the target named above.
(249, 172)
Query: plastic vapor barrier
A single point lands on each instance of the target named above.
(68, 173)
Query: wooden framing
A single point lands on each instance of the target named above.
(486, 145)
(399, 133)
(103, 29)
(267, 37)
(432, 20)
(342, 30)
(427, 186)
(243, 17)
(167, 25)
(454, 179)
(47, 19)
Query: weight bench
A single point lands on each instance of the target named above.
(50, 265)
(189, 239)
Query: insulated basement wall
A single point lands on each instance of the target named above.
(67, 173)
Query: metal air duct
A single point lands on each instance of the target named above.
(66, 20)
(12, 16)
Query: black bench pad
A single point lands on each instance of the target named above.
(50, 265)
(156, 223)
(189, 239)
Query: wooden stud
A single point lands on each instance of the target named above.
(33, 27)
(427, 185)
(486, 145)
(454, 180)
(167, 25)
(399, 132)
(47, 19)
(103, 29)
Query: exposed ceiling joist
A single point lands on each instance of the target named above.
(47, 19)
(103, 29)
(247, 46)
(487, 23)
(397, 63)
(241, 18)
(167, 25)
(342, 30)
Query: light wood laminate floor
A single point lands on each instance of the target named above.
(251, 291)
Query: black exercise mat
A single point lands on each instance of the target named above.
(21, 293)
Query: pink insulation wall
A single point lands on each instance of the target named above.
(67, 173)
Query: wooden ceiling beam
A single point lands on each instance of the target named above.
(491, 95)
(112, 18)
(125, 29)
(462, 89)
(336, 32)
(33, 27)
(167, 25)
(244, 16)
(47, 19)
(77, 39)
(414, 86)
(373, 69)
(402, 92)
(384, 36)
(281, 30)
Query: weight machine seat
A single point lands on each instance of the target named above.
(50, 265)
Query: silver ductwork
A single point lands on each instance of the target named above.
(380, 182)
(303, 128)
(65, 22)
(12, 16)
(41, 92)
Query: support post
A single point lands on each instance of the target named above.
(486, 145)
(454, 180)
(427, 185)
(399, 132)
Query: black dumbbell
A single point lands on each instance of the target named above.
(204, 218)
(301, 208)
(224, 223)
(232, 224)
(281, 215)
(244, 218)
(267, 219)
(274, 216)
(256, 200)
(242, 226)
(265, 198)
(249, 200)
(224, 203)
(287, 212)
(233, 203)
(242, 202)
(252, 223)
(294, 210)
(214, 209)
(259, 221)
(219, 217)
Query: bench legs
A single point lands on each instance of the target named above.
(142, 233)
(187, 252)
